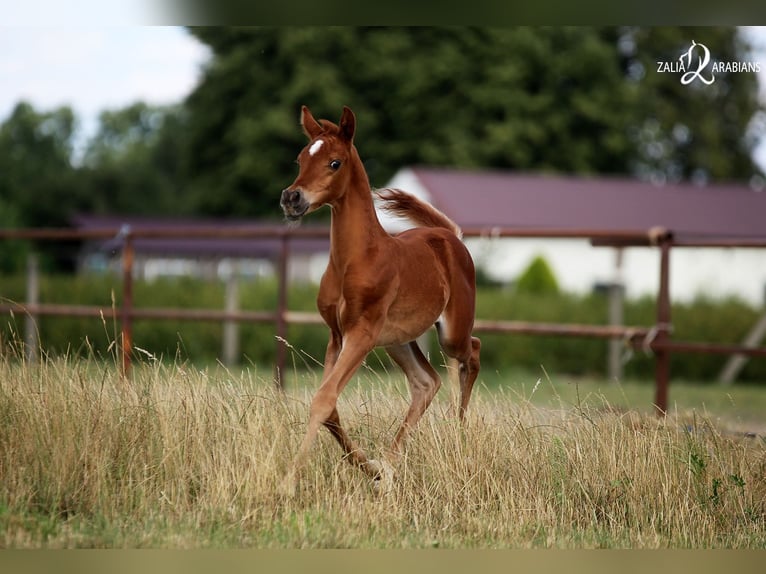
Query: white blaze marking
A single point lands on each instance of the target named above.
(315, 147)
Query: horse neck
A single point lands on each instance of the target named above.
(355, 226)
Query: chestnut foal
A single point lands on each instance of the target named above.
(379, 289)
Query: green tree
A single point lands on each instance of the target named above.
(37, 179)
(12, 252)
(38, 185)
(692, 132)
(133, 164)
(574, 100)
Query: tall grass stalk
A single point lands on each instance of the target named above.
(180, 457)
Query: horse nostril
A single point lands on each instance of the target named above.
(288, 197)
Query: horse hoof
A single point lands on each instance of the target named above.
(382, 476)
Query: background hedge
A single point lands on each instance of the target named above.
(724, 320)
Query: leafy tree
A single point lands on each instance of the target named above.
(692, 132)
(37, 180)
(12, 252)
(574, 100)
(133, 164)
(36, 174)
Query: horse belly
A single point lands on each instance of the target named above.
(406, 321)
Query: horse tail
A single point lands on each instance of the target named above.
(406, 205)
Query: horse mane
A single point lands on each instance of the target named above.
(406, 205)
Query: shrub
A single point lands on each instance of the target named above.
(721, 321)
(538, 278)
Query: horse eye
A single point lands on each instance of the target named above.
(335, 164)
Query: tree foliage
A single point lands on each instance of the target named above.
(575, 100)
(572, 100)
(134, 163)
(691, 132)
(36, 175)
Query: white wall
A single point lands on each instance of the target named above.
(577, 265)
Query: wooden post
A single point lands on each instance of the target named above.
(662, 355)
(616, 318)
(32, 299)
(127, 302)
(230, 351)
(281, 324)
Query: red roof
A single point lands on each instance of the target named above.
(516, 200)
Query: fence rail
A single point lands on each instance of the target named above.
(655, 338)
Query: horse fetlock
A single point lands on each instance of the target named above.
(382, 474)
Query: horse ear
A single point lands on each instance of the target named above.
(347, 124)
(310, 126)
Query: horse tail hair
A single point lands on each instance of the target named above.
(422, 214)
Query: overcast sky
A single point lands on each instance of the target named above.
(96, 68)
(75, 53)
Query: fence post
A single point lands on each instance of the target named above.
(230, 327)
(281, 324)
(33, 298)
(616, 317)
(661, 354)
(127, 301)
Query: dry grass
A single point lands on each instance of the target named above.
(183, 458)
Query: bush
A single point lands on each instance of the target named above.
(538, 278)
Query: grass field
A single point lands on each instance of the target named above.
(182, 457)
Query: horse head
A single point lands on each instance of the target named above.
(324, 164)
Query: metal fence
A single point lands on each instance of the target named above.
(652, 338)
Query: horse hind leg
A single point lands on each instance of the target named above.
(468, 371)
(424, 382)
(466, 351)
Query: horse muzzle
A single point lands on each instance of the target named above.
(294, 204)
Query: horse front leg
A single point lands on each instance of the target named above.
(354, 455)
(354, 348)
